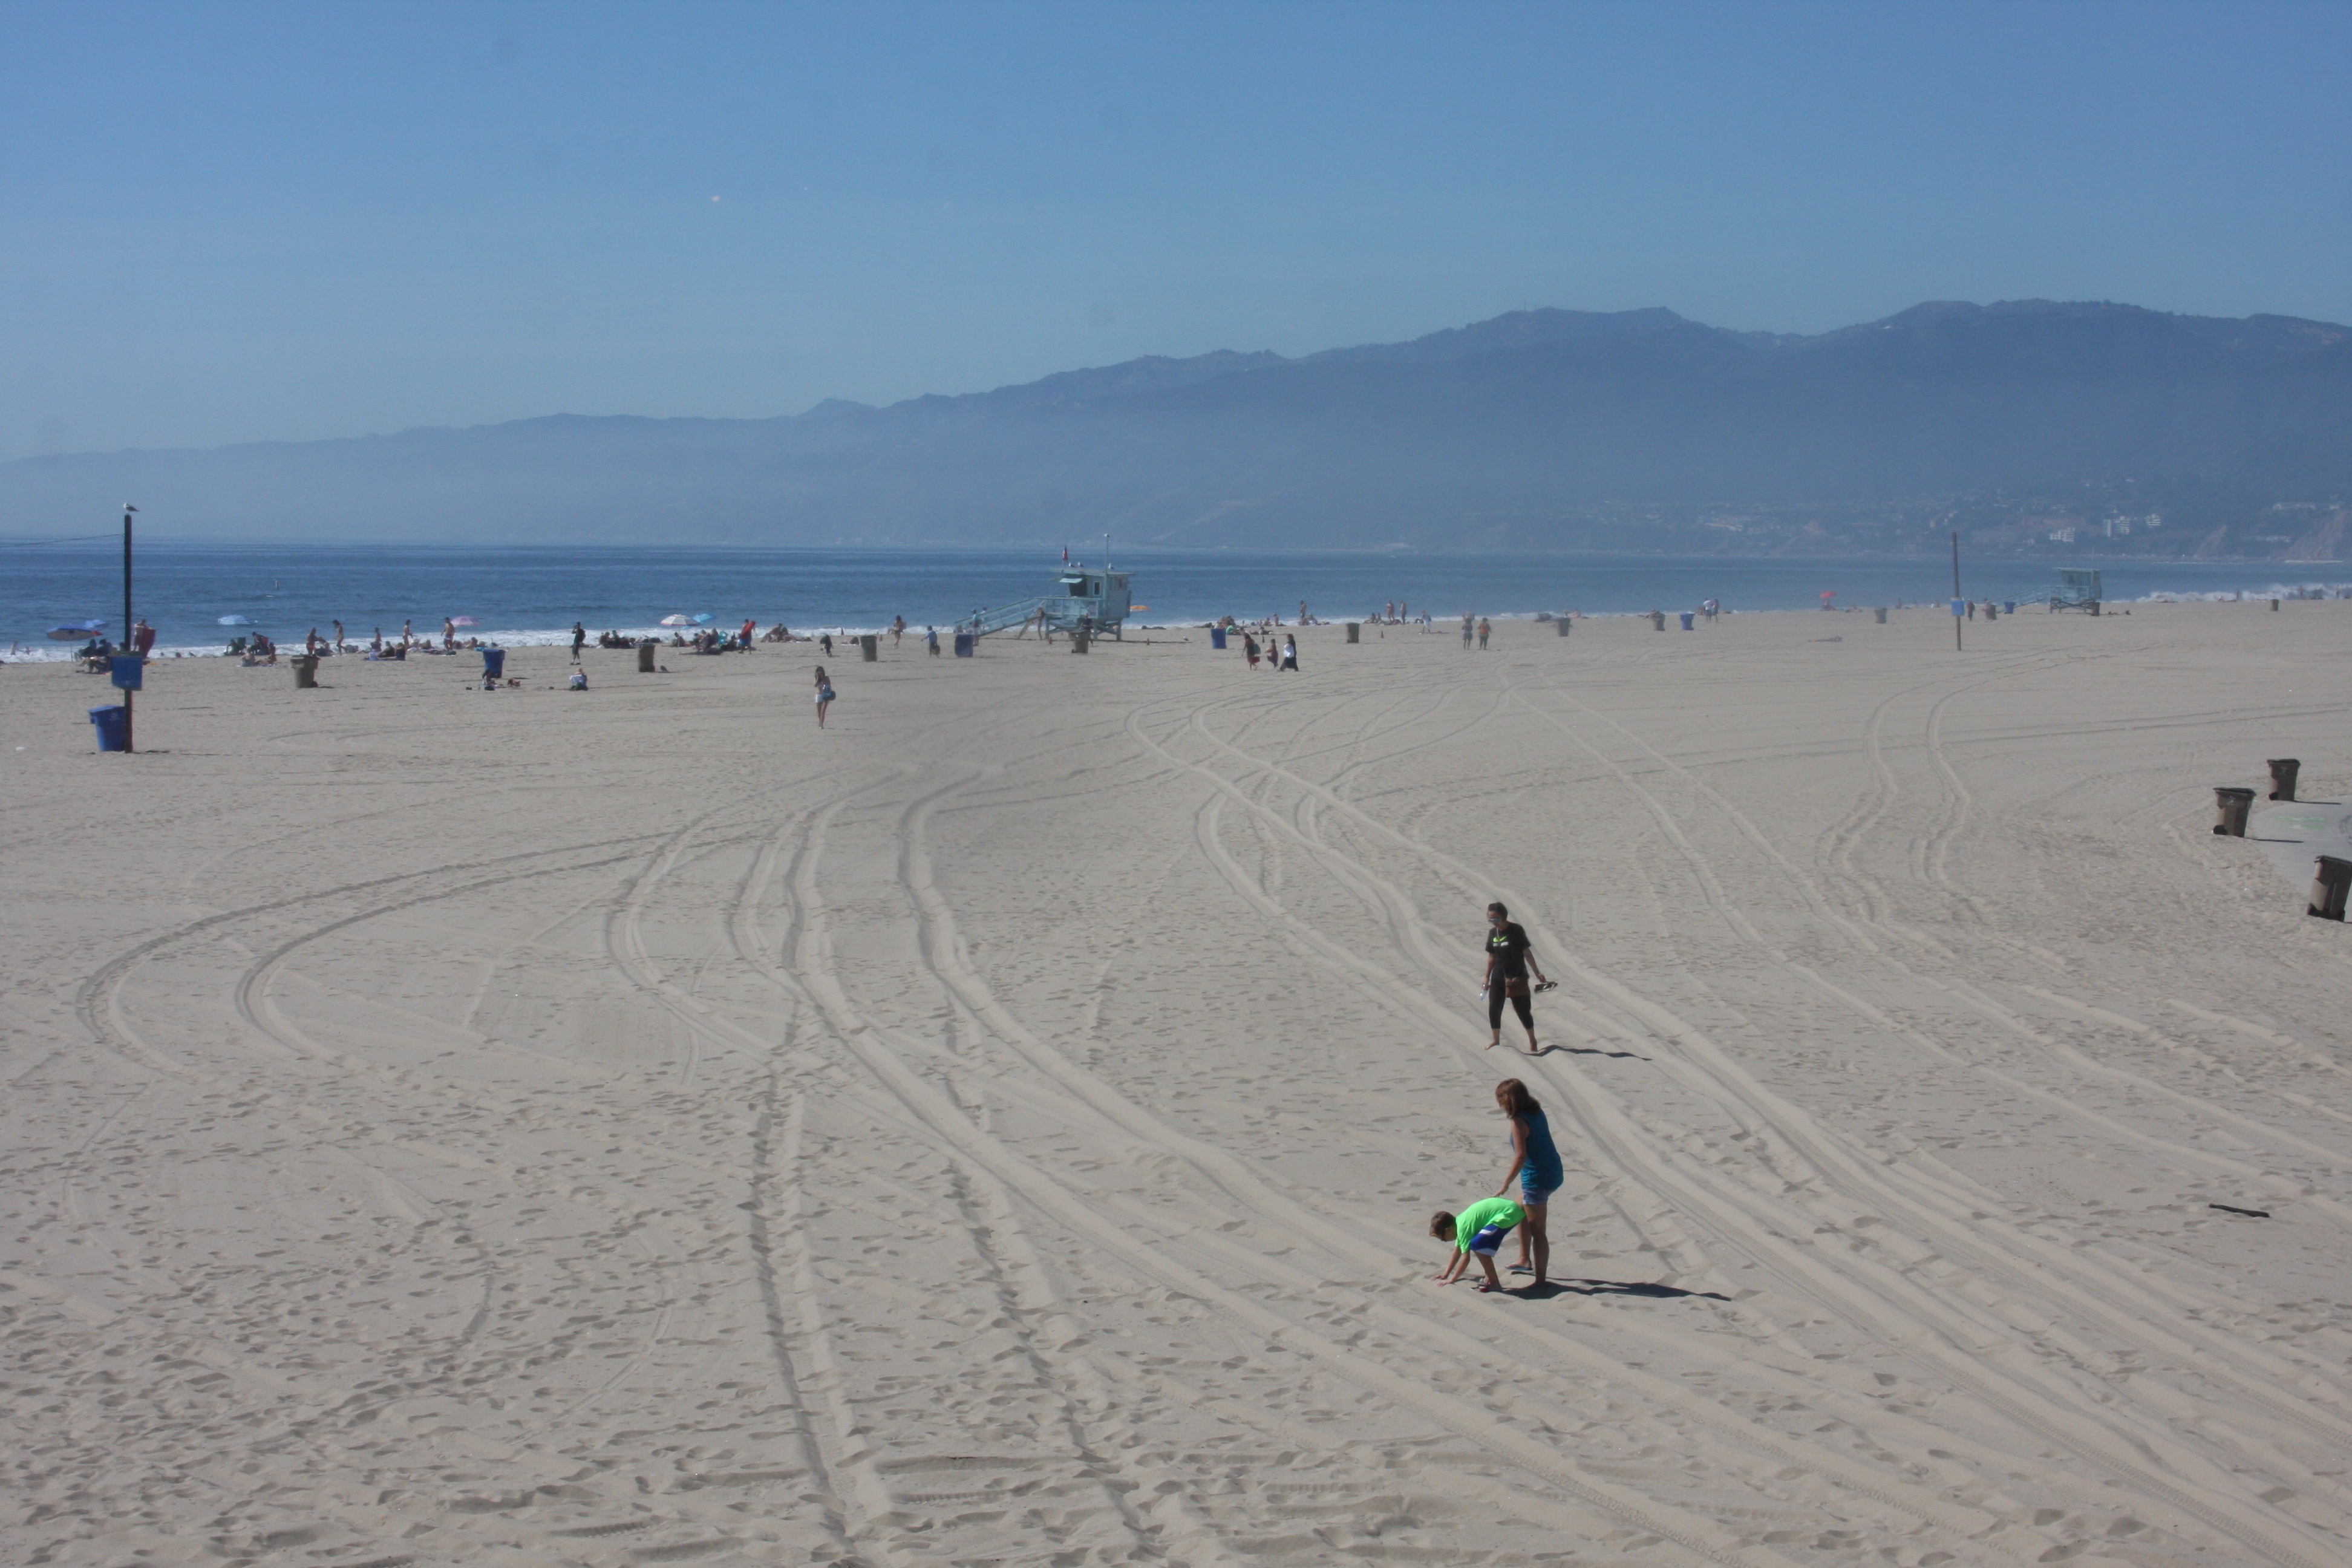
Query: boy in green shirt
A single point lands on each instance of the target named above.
(1477, 1231)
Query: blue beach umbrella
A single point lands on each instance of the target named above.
(239, 621)
(75, 631)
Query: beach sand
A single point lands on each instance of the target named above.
(447, 1127)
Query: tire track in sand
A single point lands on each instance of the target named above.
(1907, 1318)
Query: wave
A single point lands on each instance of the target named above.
(2233, 595)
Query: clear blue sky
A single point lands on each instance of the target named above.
(229, 223)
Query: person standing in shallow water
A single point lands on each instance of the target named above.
(1535, 1163)
(1509, 956)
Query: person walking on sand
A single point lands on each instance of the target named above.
(1290, 653)
(1483, 631)
(1508, 958)
(897, 629)
(1477, 1231)
(578, 638)
(1249, 649)
(931, 641)
(824, 641)
(824, 695)
(1469, 626)
(1535, 1163)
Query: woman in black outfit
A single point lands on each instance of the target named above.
(1508, 959)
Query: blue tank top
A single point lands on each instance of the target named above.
(1542, 1169)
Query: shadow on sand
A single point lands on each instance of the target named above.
(1590, 1052)
(1551, 1288)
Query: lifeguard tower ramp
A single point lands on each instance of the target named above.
(1100, 598)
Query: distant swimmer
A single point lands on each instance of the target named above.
(1509, 956)
(1535, 1165)
(1477, 1231)
(824, 695)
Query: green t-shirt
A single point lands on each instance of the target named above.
(1482, 1214)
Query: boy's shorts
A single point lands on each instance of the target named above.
(1488, 1240)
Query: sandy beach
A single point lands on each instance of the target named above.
(447, 1127)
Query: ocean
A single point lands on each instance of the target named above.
(518, 597)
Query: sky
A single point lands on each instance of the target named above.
(279, 222)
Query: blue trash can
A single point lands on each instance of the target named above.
(494, 662)
(1217, 637)
(109, 724)
(963, 644)
(2009, 606)
(1688, 617)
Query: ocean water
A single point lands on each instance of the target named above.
(532, 595)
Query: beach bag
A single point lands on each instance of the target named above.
(1514, 987)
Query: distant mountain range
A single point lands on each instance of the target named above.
(1540, 428)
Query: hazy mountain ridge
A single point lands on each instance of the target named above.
(1628, 429)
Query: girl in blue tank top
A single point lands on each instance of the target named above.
(1535, 1163)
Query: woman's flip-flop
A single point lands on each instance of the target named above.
(1483, 1286)
(1521, 1268)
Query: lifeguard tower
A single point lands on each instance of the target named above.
(2076, 591)
(1098, 596)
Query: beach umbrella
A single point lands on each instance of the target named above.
(461, 620)
(704, 619)
(75, 631)
(678, 620)
(238, 621)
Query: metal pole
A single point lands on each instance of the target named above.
(1956, 592)
(128, 639)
